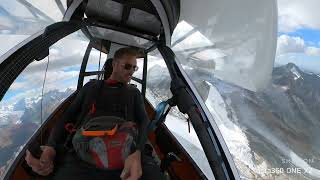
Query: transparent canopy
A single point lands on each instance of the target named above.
(267, 113)
(234, 40)
(119, 37)
(19, 19)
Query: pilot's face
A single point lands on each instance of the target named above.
(124, 68)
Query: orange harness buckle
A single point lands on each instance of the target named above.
(100, 133)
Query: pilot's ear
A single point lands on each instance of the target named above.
(113, 63)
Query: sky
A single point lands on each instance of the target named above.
(299, 34)
(18, 23)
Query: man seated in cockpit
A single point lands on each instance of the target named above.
(108, 123)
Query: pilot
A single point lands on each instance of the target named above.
(124, 64)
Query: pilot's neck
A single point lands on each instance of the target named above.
(114, 78)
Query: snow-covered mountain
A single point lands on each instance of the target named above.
(274, 128)
(20, 120)
(28, 108)
(11, 113)
(279, 126)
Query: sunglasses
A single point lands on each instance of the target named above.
(129, 67)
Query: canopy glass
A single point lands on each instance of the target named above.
(19, 19)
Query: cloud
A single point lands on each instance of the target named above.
(65, 59)
(64, 54)
(297, 14)
(30, 85)
(17, 86)
(50, 8)
(11, 41)
(290, 44)
(54, 80)
(56, 63)
(312, 51)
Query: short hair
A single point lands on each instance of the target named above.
(126, 51)
(107, 68)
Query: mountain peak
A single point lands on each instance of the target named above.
(291, 65)
(297, 72)
(289, 70)
(287, 75)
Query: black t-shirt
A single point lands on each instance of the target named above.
(110, 99)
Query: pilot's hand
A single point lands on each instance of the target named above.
(33, 162)
(43, 166)
(46, 160)
(132, 167)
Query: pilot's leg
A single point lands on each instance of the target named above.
(150, 169)
(72, 168)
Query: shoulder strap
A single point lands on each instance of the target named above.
(99, 87)
(97, 92)
(94, 95)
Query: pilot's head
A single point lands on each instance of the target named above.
(124, 64)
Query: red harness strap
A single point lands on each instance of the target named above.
(93, 109)
(70, 128)
(109, 82)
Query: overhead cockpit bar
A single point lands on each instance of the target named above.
(148, 19)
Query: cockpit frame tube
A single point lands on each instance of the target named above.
(164, 20)
(144, 75)
(84, 64)
(187, 103)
